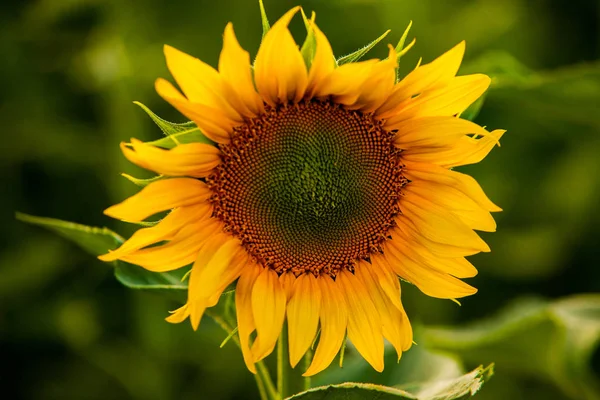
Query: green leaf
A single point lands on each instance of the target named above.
(358, 54)
(462, 387)
(187, 132)
(95, 241)
(135, 277)
(552, 341)
(459, 388)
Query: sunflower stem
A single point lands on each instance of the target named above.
(307, 361)
(262, 374)
(266, 389)
(280, 371)
(261, 387)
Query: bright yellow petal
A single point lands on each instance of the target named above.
(268, 308)
(437, 73)
(455, 266)
(364, 322)
(464, 183)
(303, 316)
(409, 229)
(164, 230)
(287, 281)
(466, 151)
(437, 225)
(456, 202)
(179, 315)
(243, 306)
(279, 69)
(193, 159)
(334, 320)
(234, 66)
(388, 281)
(344, 84)
(160, 196)
(431, 282)
(378, 86)
(213, 123)
(433, 132)
(394, 321)
(444, 101)
(202, 84)
(181, 250)
(212, 272)
(323, 63)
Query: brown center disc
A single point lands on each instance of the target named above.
(310, 187)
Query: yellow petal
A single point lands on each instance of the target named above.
(444, 101)
(279, 69)
(410, 230)
(395, 325)
(243, 306)
(452, 200)
(303, 316)
(432, 132)
(334, 320)
(378, 86)
(364, 322)
(213, 123)
(431, 282)
(437, 73)
(287, 281)
(181, 250)
(466, 151)
(268, 308)
(193, 159)
(323, 63)
(212, 272)
(202, 84)
(464, 183)
(179, 315)
(437, 225)
(160, 196)
(455, 266)
(164, 230)
(344, 84)
(234, 66)
(387, 279)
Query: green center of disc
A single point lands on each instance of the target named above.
(311, 187)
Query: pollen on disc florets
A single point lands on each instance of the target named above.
(311, 187)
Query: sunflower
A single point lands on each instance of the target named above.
(325, 185)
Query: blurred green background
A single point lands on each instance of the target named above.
(71, 69)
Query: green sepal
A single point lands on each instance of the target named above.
(309, 47)
(263, 18)
(187, 132)
(462, 387)
(142, 182)
(358, 54)
(401, 50)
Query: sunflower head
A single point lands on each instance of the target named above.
(323, 184)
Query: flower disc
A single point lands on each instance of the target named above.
(311, 187)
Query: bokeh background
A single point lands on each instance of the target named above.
(70, 71)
